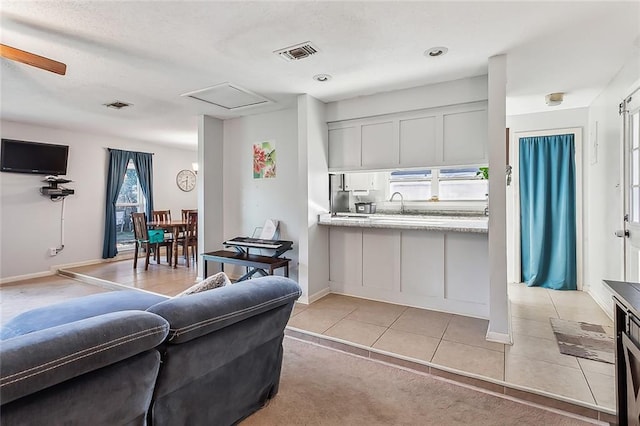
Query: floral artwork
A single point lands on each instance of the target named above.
(264, 160)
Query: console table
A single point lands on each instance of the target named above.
(626, 298)
(255, 263)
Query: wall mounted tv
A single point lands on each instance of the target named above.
(33, 157)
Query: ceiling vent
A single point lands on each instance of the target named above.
(117, 105)
(297, 52)
(228, 96)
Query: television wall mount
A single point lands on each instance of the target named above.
(54, 190)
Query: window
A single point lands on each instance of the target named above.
(459, 184)
(130, 200)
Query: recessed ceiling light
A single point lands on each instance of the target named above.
(434, 52)
(322, 77)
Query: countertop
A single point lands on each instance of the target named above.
(628, 293)
(477, 224)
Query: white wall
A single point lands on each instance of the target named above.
(248, 202)
(499, 328)
(313, 163)
(30, 222)
(429, 96)
(210, 187)
(604, 197)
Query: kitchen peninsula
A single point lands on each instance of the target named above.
(432, 262)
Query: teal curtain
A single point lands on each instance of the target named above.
(548, 212)
(143, 161)
(118, 161)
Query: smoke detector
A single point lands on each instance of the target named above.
(297, 52)
(117, 105)
(553, 99)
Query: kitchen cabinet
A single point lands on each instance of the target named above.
(446, 271)
(359, 181)
(419, 141)
(455, 135)
(465, 137)
(381, 259)
(345, 256)
(379, 145)
(345, 148)
(422, 265)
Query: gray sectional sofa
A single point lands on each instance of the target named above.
(134, 358)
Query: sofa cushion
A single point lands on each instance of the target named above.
(77, 309)
(47, 357)
(214, 281)
(198, 314)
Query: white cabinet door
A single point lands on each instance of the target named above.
(422, 267)
(345, 256)
(467, 267)
(418, 142)
(465, 137)
(379, 145)
(381, 259)
(359, 181)
(344, 148)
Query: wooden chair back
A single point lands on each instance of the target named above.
(192, 225)
(140, 226)
(161, 215)
(185, 214)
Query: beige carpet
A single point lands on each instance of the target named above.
(320, 386)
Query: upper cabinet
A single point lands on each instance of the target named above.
(447, 136)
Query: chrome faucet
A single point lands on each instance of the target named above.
(401, 201)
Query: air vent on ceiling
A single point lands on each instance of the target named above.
(117, 105)
(228, 96)
(297, 52)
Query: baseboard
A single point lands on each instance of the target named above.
(8, 280)
(318, 295)
(606, 307)
(504, 338)
(99, 282)
(55, 268)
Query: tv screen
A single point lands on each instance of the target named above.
(33, 157)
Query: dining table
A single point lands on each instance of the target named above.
(175, 227)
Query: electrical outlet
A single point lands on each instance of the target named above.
(53, 251)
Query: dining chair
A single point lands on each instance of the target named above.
(185, 213)
(190, 237)
(162, 216)
(141, 234)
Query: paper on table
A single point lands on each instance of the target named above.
(269, 230)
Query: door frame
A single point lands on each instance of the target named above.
(630, 104)
(514, 260)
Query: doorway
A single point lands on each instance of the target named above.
(514, 232)
(630, 109)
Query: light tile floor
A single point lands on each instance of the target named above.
(453, 341)
(533, 361)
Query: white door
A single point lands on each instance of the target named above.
(631, 131)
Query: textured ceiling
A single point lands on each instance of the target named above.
(149, 53)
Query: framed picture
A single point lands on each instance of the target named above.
(264, 160)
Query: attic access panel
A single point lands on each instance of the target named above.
(228, 96)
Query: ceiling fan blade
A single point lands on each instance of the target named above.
(32, 59)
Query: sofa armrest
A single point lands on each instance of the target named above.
(198, 314)
(77, 309)
(45, 358)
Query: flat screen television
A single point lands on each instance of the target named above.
(33, 157)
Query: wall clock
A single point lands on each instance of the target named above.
(186, 180)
